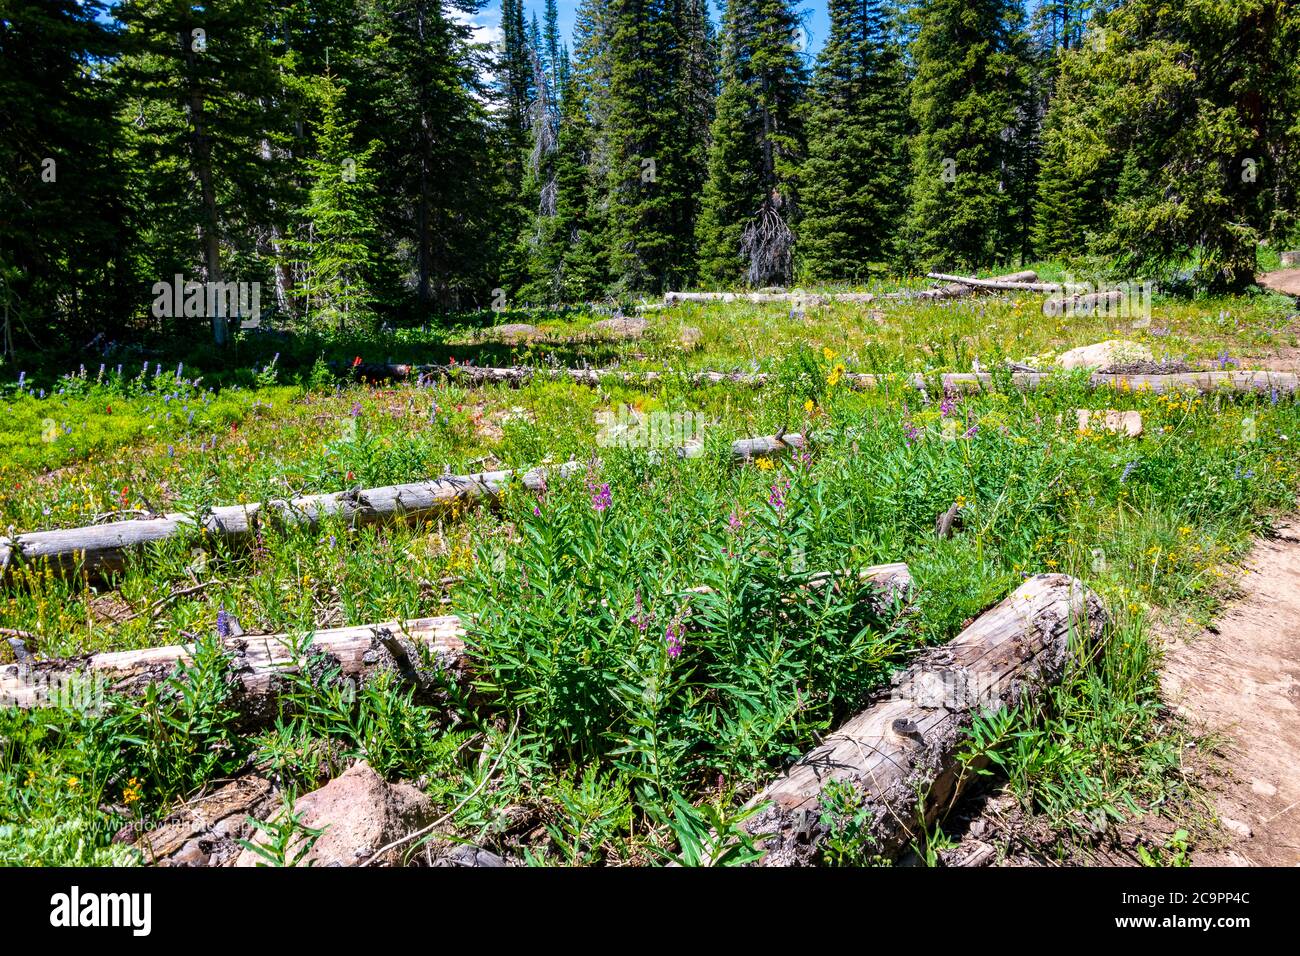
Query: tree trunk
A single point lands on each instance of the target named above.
(900, 755)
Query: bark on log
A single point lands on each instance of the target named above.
(900, 755)
(259, 661)
(97, 549)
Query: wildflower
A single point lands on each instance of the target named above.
(836, 374)
(827, 353)
(1128, 470)
(764, 464)
(776, 497)
(808, 405)
(674, 642)
(946, 406)
(73, 783)
(356, 410)
(223, 624)
(734, 522)
(356, 361)
(131, 792)
(537, 511)
(600, 496)
(961, 501)
(639, 617)
(971, 432)
(912, 434)
(333, 541)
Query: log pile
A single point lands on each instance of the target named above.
(900, 756)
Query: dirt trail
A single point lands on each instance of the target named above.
(1286, 281)
(1241, 680)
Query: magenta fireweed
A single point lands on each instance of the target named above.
(600, 495)
(674, 641)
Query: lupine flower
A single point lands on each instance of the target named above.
(1128, 470)
(356, 410)
(223, 624)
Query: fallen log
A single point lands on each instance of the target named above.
(960, 286)
(97, 549)
(257, 665)
(900, 756)
(1104, 303)
(259, 662)
(1010, 283)
(1262, 382)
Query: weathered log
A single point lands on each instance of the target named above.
(900, 756)
(960, 286)
(1019, 282)
(97, 549)
(257, 664)
(259, 661)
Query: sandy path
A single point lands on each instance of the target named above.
(1241, 679)
(1286, 281)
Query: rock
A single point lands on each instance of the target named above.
(360, 812)
(204, 831)
(1237, 827)
(517, 332)
(689, 337)
(1103, 354)
(1290, 259)
(469, 856)
(620, 327)
(1111, 420)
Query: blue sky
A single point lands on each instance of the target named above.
(489, 20)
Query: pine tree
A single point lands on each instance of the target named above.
(852, 183)
(583, 162)
(439, 166)
(1177, 123)
(197, 79)
(656, 158)
(746, 221)
(336, 251)
(968, 190)
(66, 237)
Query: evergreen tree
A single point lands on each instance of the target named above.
(852, 183)
(65, 229)
(439, 169)
(337, 248)
(1174, 134)
(197, 79)
(656, 157)
(969, 189)
(746, 221)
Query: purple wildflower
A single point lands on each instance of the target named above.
(946, 406)
(1128, 470)
(776, 497)
(223, 624)
(600, 496)
(912, 434)
(356, 409)
(971, 432)
(674, 641)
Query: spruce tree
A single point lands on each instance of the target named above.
(337, 247)
(1180, 123)
(749, 206)
(852, 183)
(968, 189)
